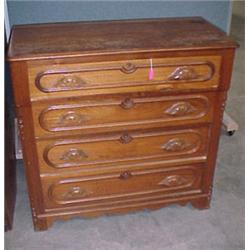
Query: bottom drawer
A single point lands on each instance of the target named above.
(126, 185)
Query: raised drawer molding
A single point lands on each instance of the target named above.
(119, 116)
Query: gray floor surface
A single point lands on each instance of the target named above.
(172, 228)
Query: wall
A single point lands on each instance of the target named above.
(239, 8)
(22, 12)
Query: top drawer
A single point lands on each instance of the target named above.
(65, 80)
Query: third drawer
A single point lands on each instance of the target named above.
(111, 150)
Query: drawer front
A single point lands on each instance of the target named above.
(108, 77)
(117, 148)
(121, 185)
(115, 113)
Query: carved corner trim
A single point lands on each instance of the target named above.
(210, 192)
(223, 105)
(33, 210)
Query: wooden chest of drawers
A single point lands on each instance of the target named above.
(119, 116)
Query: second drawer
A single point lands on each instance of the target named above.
(113, 113)
(119, 148)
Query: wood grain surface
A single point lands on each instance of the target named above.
(40, 41)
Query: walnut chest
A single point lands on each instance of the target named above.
(119, 116)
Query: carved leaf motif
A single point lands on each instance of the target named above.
(71, 119)
(174, 180)
(73, 154)
(183, 73)
(176, 145)
(70, 82)
(180, 108)
(75, 192)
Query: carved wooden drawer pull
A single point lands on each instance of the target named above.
(70, 82)
(125, 175)
(73, 154)
(128, 68)
(127, 103)
(75, 192)
(126, 138)
(71, 119)
(180, 108)
(175, 144)
(183, 73)
(174, 180)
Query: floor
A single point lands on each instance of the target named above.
(174, 227)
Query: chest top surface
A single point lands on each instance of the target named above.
(61, 40)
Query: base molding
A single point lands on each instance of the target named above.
(200, 201)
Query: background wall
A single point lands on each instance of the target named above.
(239, 8)
(23, 12)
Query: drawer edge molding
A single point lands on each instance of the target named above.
(180, 75)
(138, 164)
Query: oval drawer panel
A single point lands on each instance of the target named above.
(197, 72)
(117, 112)
(127, 74)
(124, 147)
(122, 185)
